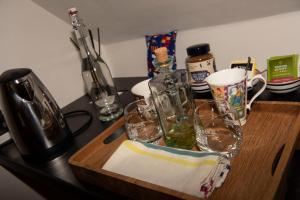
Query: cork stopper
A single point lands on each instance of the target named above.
(161, 54)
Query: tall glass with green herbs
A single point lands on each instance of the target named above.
(174, 103)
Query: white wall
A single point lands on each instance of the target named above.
(32, 37)
(260, 38)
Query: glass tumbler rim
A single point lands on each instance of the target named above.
(132, 103)
(215, 103)
(223, 116)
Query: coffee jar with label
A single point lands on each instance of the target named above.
(200, 64)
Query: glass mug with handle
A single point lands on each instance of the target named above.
(230, 85)
(175, 106)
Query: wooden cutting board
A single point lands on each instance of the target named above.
(269, 138)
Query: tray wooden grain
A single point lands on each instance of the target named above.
(269, 138)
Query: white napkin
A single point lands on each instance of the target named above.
(191, 172)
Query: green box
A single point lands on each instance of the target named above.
(283, 68)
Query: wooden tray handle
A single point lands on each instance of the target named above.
(115, 129)
(276, 159)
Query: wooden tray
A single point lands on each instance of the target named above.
(269, 138)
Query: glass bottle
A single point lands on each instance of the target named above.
(173, 102)
(96, 75)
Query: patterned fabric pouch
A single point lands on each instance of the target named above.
(160, 40)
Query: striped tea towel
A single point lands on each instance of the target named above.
(191, 172)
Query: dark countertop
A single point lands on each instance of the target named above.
(9, 182)
(57, 172)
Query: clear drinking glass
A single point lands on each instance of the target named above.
(141, 122)
(216, 129)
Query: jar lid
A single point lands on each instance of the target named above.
(198, 49)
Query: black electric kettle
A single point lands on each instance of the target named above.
(33, 118)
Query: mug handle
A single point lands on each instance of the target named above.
(185, 96)
(250, 83)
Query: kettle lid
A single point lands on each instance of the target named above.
(14, 74)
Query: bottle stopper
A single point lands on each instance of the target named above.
(161, 54)
(72, 11)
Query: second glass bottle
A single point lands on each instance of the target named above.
(173, 101)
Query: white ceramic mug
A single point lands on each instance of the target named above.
(230, 85)
(141, 90)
